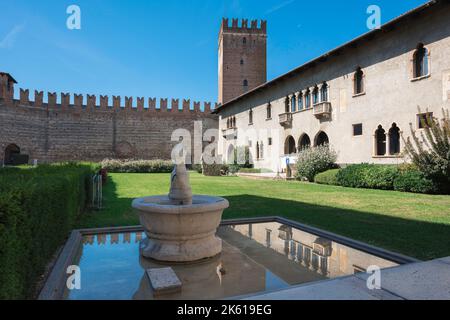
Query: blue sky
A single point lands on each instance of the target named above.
(157, 48)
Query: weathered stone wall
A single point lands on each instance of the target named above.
(52, 132)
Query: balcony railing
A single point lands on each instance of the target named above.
(322, 110)
(285, 119)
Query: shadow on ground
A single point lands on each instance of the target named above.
(419, 239)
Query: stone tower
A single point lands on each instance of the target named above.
(242, 57)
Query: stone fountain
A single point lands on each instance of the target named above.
(180, 227)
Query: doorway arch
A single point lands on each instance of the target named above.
(10, 151)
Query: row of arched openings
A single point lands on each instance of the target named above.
(387, 142)
(291, 147)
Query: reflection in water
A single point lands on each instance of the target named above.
(256, 258)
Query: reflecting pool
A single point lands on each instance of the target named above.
(257, 257)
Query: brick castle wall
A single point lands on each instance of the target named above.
(96, 129)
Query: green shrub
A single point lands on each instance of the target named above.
(414, 181)
(312, 161)
(38, 208)
(197, 167)
(370, 176)
(137, 166)
(327, 177)
(430, 151)
(215, 169)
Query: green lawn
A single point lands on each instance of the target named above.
(412, 224)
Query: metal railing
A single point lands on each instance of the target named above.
(97, 191)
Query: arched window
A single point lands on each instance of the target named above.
(307, 99)
(269, 111)
(304, 143)
(315, 95)
(289, 146)
(10, 152)
(380, 141)
(300, 101)
(324, 92)
(245, 83)
(322, 139)
(293, 103)
(242, 62)
(420, 61)
(394, 140)
(250, 116)
(358, 81)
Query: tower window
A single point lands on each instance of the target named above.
(357, 129)
(293, 103)
(380, 141)
(245, 83)
(315, 95)
(394, 140)
(269, 111)
(307, 99)
(424, 120)
(242, 62)
(358, 81)
(324, 92)
(420, 62)
(300, 101)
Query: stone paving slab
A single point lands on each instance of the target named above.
(163, 281)
(416, 281)
(348, 288)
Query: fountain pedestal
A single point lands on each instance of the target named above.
(180, 227)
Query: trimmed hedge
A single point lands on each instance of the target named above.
(414, 181)
(369, 176)
(38, 208)
(214, 169)
(327, 177)
(137, 166)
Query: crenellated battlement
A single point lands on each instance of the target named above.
(90, 102)
(255, 26)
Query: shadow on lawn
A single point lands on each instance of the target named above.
(419, 239)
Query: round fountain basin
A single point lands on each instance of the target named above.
(180, 233)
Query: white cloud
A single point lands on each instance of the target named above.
(279, 6)
(9, 40)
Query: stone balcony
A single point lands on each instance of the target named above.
(285, 119)
(229, 133)
(322, 110)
